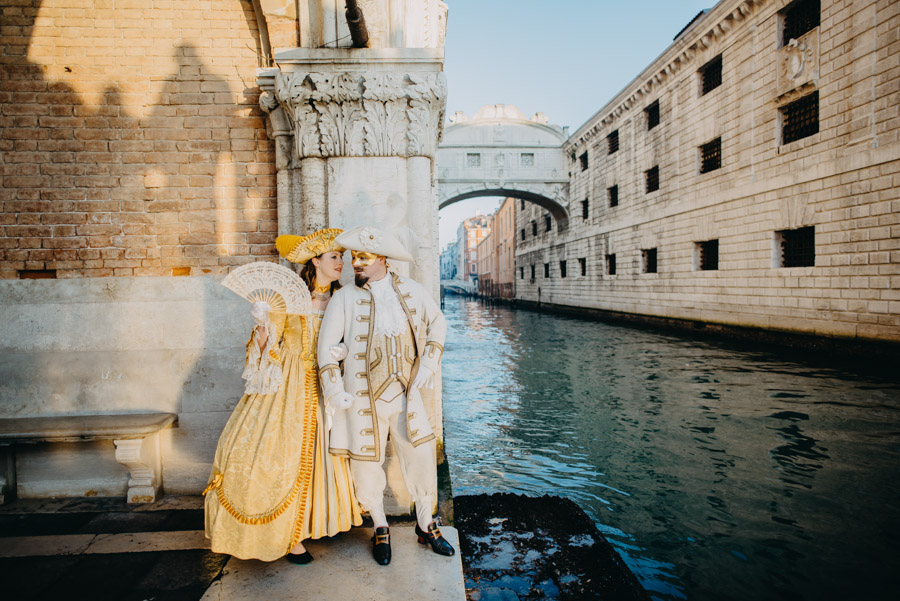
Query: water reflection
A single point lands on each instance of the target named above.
(716, 473)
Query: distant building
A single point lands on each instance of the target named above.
(449, 262)
(471, 231)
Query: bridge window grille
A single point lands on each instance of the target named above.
(708, 255)
(711, 156)
(526, 159)
(648, 256)
(612, 142)
(584, 208)
(562, 269)
(546, 270)
(613, 193)
(711, 75)
(584, 160)
(651, 176)
(582, 266)
(548, 223)
(797, 248)
(533, 227)
(473, 159)
(522, 233)
(800, 118)
(611, 264)
(652, 113)
(532, 272)
(798, 18)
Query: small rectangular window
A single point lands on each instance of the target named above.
(522, 232)
(562, 269)
(533, 227)
(798, 18)
(546, 270)
(582, 266)
(800, 119)
(711, 75)
(613, 194)
(36, 274)
(526, 159)
(652, 179)
(648, 258)
(711, 156)
(612, 142)
(797, 247)
(473, 159)
(548, 224)
(532, 272)
(584, 160)
(652, 113)
(521, 273)
(522, 204)
(584, 208)
(611, 264)
(707, 255)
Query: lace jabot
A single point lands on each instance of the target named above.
(389, 316)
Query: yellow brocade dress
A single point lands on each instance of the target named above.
(273, 481)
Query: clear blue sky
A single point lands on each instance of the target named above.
(564, 58)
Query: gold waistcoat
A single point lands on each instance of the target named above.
(390, 360)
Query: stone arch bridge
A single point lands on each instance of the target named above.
(500, 152)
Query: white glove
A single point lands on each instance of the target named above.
(339, 402)
(260, 312)
(339, 351)
(425, 378)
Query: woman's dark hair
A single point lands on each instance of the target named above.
(308, 275)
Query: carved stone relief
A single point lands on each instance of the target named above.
(798, 62)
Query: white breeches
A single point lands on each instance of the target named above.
(416, 464)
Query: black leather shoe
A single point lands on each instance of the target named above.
(381, 545)
(300, 559)
(433, 537)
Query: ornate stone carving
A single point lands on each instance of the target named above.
(798, 62)
(350, 114)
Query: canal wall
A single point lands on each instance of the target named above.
(745, 178)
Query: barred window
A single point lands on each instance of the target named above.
(800, 119)
(707, 255)
(533, 227)
(582, 265)
(521, 273)
(711, 156)
(473, 159)
(711, 75)
(613, 193)
(584, 208)
(522, 232)
(522, 204)
(611, 264)
(652, 179)
(532, 272)
(798, 18)
(652, 113)
(797, 247)
(546, 270)
(612, 142)
(548, 224)
(584, 160)
(562, 269)
(526, 159)
(648, 256)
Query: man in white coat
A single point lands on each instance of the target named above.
(395, 333)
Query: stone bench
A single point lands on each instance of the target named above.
(135, 435)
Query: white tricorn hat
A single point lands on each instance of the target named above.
(376, 241)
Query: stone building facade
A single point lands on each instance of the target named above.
(469, 235)
(496, 254)
(749, 176)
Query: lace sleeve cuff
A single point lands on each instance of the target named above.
(262, 371)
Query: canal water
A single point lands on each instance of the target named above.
(718, 473)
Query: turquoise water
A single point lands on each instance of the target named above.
(717, 473)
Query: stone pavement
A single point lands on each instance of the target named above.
(103, 549)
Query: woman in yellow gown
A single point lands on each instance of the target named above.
(273, 483)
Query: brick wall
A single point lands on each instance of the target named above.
(131, 143)
(843, 181)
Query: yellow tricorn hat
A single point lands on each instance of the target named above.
(300, 249)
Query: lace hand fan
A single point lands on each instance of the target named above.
(270, 282)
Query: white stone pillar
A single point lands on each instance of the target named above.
(313, 194)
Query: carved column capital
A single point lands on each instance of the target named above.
(348, 114)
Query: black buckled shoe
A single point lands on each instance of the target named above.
(300, 559)
(433, 537)
(381, 545)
